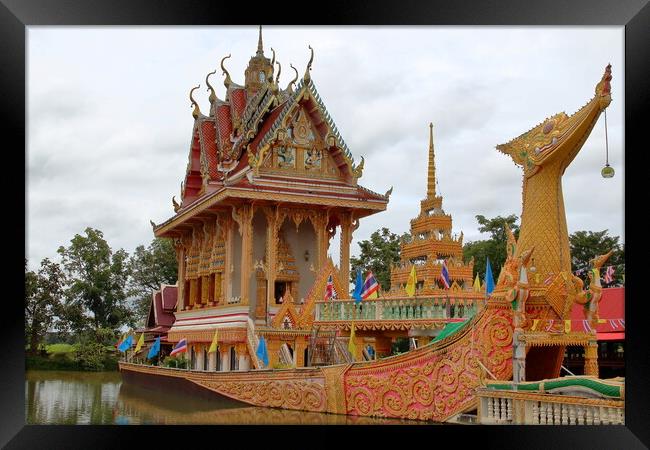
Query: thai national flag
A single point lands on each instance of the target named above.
(609, 274)
(179, 348)
(444, 275)
(370, 286)
(329, 289)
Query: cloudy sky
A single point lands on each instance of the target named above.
(109, 120)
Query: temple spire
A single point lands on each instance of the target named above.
(260, 47)
(431, 182)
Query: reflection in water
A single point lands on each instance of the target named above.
(53, 397)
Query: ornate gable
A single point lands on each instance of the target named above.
(317, 293)
(287, 316)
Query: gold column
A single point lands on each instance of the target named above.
(193, 286)
(218, 279)
(348, 225)
(227, 269)
(273, 224)
(243, 215)
(299, 350)
(273, 350)
(322, 238)
(180, 258)
(591, 359)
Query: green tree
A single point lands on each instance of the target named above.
(150, 267)
(377, 255)
(43, 295)
(97, 293)
(586, 245)
(494, 248)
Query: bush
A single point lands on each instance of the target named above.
(178, 363)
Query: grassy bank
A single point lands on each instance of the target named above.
(93, 357)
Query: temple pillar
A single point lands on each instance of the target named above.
(346, 238)
(243, 215)
(299, 352)
(358, 343)
(273, 348)
(180, 258)
(322, 238)
(242, 354)
(193, 288)
(218, 280)
(591, 359)
(225, 358)
(273, 224)
(228, 261)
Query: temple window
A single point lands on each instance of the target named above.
(217, 355)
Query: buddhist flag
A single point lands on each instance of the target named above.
(262, 353)
(213, 346)
(370, 287)
(477, 284)
(352, 348)
(410, 285)
(155, 348)
(358, 287)
(567, 326)
(119, 342)
(139, 344)
(489, 281)
(126, 344)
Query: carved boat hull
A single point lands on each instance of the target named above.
(434, 382)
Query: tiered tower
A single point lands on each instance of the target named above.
(432, 242)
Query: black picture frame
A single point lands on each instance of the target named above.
(16, 15)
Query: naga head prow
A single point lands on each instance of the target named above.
(598, 261)
(545, 142)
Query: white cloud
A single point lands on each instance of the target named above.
(109, 120)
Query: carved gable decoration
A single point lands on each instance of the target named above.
(287, 316)
(299, 149)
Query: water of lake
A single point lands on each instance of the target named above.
(101, 398)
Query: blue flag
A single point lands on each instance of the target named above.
(358, 287)
(489, 281)
(155, 348)
(261, 352)
(126, 344)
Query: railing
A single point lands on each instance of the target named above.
(392, 309)
(253, 342)
(522, 408)
(233, 301)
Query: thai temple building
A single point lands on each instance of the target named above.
(431, 243)
(269, 182)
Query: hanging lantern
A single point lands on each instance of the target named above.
(607, 171)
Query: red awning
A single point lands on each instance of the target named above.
(610, 336)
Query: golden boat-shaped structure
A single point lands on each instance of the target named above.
(266, 161)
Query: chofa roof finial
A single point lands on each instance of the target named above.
(227, 82)
(307, 77)
(196, 111)
(277, 78)
(292, 82)
(213, 96)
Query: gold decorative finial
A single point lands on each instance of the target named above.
(175, 203)
(273, 57)
(260, 47)
(388, 192)
(292, 82)
(277, 78)
(431, 182)
(307, 77)
(213, 96)
(196, 111)
(227, 82)
(153, 225)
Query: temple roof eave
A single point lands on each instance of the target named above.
(227, 194)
